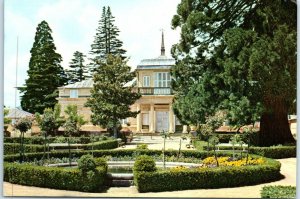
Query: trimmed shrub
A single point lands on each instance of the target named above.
(107, 144)
(54, 177)
(86, 163)
(13, 148)
(144, 163)
(207, 177)
(278, 191)
(275, 152)
(101, 162)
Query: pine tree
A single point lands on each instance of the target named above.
(106, 40)
(45, 73)
(78, 71)
(110, 100)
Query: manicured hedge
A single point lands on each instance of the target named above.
(278, 191)
(108, 144)
(54, 177)
(12, 148)
(28, 140)
(207, 177)
(58, 139)
(114, 153)
(275, 152)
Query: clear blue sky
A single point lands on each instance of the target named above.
(74, 23)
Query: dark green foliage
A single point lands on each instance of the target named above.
(275, 152)
(106, 40)
(278, 191)
(101, 162)
(240, 57)
(23, 125)
(108, 144)
(207, 178)
(55, 178)
(86, 163)
(13, 148)
(45, 73)
(78, 70)
(144, 163)
(27, 140)
(115, 153)
(110, 100)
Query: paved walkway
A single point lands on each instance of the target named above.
(288, 169)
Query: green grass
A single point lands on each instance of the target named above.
(278, 191)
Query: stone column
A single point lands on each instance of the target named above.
(151, 119)
(138, 119)
(154, 120)
(171, 120)
(184, 129)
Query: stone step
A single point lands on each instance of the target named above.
(120, 176)
(122, 183)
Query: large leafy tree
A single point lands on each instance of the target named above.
(106, 40)
(240, 57)
(45, 73)
(110, 99)
(78, 70)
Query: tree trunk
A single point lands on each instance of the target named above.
(274, 125)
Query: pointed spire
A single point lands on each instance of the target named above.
(162, 44)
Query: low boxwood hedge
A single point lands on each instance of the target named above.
(275, 152)
(207, 177)
(55, 177)
(58, 139)
(12, 148)
(114, 153)
(28, 140)
(108, 144)
(278, 191)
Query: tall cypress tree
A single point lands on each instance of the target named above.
(106, 40)
(45, 73)
(78, 70)
(110, 100)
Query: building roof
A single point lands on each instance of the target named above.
(17, 113)
(89, 84)
(161, 62)
(83, 84)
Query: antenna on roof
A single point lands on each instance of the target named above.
(162, 50)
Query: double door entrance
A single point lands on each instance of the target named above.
(162, 121)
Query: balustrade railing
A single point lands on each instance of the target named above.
(153, 90)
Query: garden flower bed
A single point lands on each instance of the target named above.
(235, 173)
